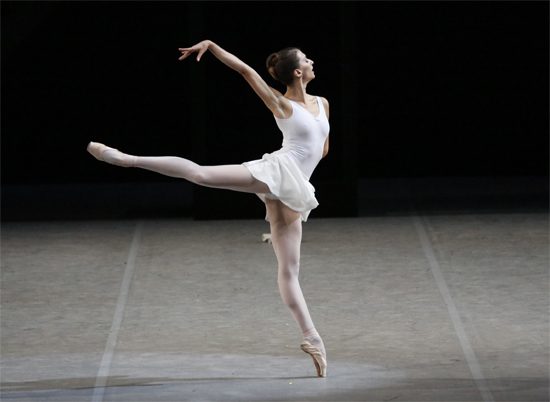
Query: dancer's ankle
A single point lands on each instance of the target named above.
(310, 333)
(314, 339)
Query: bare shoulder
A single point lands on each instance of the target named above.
(325, 101)
(325, 104)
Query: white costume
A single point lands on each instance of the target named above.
(288, 170)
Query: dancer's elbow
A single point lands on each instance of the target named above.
(245, 70)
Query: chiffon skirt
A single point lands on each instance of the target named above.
(286, 182)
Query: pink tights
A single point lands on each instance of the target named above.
(286, 225)
(286, 236)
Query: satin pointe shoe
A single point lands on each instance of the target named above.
(318, 358)
(97, 150)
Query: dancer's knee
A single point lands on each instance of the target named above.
(289, 271)
(198, 176)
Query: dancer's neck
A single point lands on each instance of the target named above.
(297, 92)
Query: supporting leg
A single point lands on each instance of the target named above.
(286, 236)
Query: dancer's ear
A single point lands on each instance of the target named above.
(298, 73)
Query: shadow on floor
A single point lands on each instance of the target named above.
(427, 389)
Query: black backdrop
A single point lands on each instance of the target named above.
(417, 89)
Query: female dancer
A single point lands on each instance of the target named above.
(280, 179)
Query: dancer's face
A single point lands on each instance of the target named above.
(306, 67)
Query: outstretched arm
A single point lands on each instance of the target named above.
(270, 96)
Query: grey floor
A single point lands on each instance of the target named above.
(411, 308)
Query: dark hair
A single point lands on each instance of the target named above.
(281, 65)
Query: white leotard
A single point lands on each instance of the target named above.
(287, 171)
(304, 136)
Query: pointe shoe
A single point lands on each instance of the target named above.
(318, 358)
(97, 149)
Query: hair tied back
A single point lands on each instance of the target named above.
(281, 65)
(271, 62)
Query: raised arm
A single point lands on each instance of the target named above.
(273, 99)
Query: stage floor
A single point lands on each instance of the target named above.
(411, 308)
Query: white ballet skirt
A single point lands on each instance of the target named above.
(286, 182)
(287, 171)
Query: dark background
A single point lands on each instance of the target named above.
(418, 90)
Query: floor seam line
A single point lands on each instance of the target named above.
(471, 359)
(107, 357)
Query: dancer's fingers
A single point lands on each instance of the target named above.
(185, 54)
(188, 50)
(201, 52)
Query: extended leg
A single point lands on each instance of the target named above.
(231, 177)
(286, 236)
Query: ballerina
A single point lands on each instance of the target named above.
(280, 179)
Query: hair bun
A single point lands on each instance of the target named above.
(273, 73)
(281, 65)
(273, 59)
(270, 64)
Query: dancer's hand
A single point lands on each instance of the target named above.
(199, 47)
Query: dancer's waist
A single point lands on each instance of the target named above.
(306, 162)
